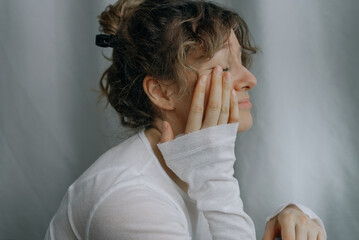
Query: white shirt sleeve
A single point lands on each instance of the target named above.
(204, 159)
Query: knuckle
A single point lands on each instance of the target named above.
(197, 109)
(303, 220)
(285, 216)
(316, 224)
(214, 105)
(225, 109)
(322, 235)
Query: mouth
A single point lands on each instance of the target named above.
(244, 103)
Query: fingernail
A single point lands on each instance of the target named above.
(233, 92)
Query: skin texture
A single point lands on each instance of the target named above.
(226, 64)
(223, 82)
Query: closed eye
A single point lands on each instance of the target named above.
(226, 69)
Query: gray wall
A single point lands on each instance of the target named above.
(303, 146)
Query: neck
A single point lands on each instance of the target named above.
(153, 135)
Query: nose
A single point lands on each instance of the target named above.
(243, 79)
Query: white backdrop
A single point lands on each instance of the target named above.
(303, 146)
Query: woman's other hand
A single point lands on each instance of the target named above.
(292, 224)
(222, 106)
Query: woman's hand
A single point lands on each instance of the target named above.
(222, 106)
(292, 224)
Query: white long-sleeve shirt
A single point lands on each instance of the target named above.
(126, 194)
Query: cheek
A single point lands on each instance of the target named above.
(245, 115)
(184, 107)
(245, 120)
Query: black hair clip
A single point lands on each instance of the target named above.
(104, 40)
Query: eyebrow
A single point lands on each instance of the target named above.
(226, 45)
(229, 46)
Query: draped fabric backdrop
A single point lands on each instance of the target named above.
(303, 147)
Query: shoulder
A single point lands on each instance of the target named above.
(138, 212)
(130, 155)
(124, 188)
(121, 167)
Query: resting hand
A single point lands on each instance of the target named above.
(222, 106)
(292, 224)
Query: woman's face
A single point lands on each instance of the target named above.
(229, 58)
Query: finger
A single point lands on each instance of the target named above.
(287, 230)
(215, 99)
(270, 231)
(195, 116)
(312, 235)
(300, 233)
(167, 133)
(320, 232)
(322, 236)
(234, 110)
(226, 97)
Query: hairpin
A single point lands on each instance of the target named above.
(104, 40)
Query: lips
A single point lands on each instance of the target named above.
(244, 103)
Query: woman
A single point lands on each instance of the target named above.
(179, 77)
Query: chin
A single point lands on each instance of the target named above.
(245, 122)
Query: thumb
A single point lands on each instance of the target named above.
(167, 133)
(270, 231)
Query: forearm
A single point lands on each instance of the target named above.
(204, 160)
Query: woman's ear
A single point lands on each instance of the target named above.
(159, 94)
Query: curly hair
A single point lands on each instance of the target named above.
(155, 38)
